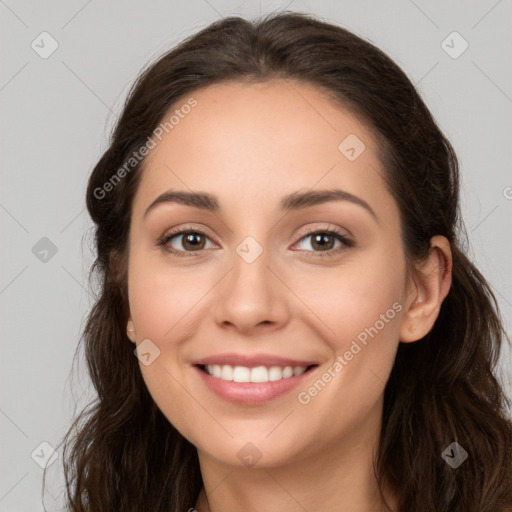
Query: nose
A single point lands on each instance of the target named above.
(252, 296)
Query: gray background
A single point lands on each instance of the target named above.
(57, 113)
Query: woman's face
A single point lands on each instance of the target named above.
(266, 283)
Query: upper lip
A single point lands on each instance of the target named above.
(251, 361)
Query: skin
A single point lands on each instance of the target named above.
(250, 145)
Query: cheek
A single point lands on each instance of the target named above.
(360, 316)
(161, 306)
(353, 296)
(159, 297)
(359, 308)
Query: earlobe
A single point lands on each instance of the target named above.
(431, 284)
(130, 331)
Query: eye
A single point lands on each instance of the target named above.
(191, 240)
(323, 242)
(194, 240)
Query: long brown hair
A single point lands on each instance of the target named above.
(122, 454)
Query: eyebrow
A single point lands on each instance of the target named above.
(291, 202)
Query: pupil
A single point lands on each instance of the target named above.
(320, 239)
(193, 239)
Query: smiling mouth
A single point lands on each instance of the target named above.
(257, 374)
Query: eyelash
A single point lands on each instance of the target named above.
(322, 254)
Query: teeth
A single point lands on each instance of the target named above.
(287, 372)
(259, 374)
(298, 370)
(275, 373)
(226, 372)
(241, 374)
(256, 374)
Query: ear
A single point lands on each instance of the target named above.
(430, 284)
(130, 330)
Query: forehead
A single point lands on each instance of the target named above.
(252, 143)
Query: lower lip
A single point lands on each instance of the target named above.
(251, 392)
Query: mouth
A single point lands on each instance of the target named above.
(251, 380)
(255, 375)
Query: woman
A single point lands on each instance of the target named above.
(287, 319)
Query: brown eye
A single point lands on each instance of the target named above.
(186, 241)
(193, 241)
(324, 242)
